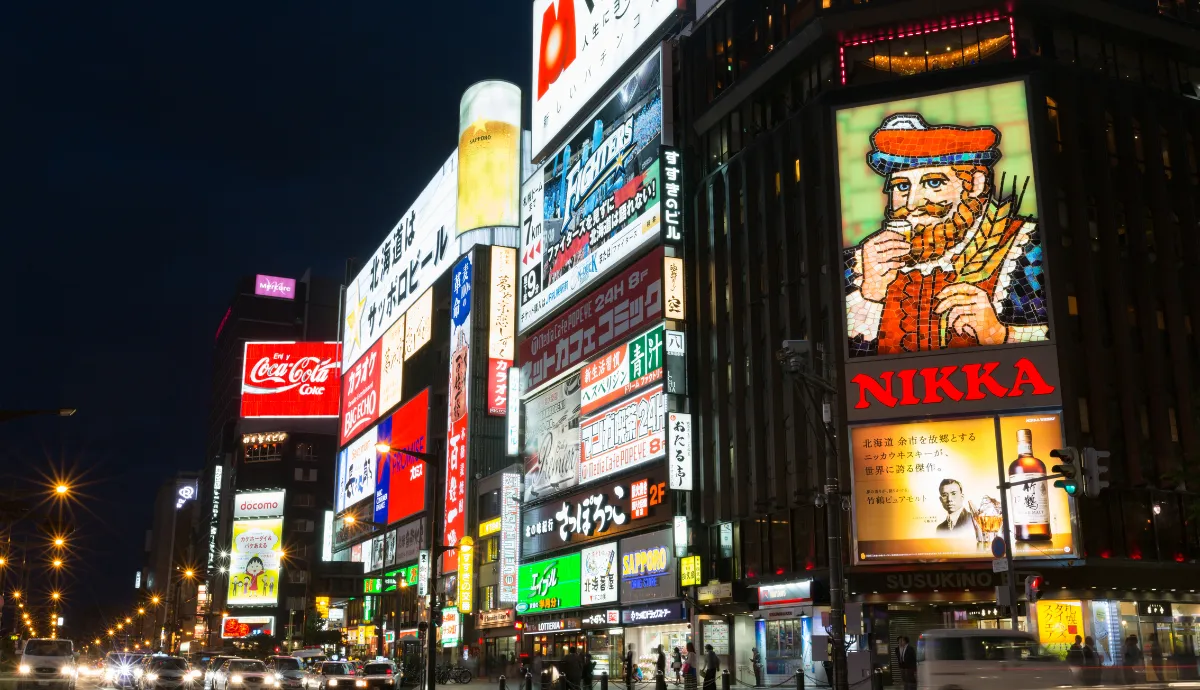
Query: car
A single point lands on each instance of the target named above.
(211, 669)
(162, 672)
(120, 669)
(379, 674)
(244, 674)
(330, 674)
(990, 659)
(288, 670)
(46, 662)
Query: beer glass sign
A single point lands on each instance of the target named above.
(489, 154)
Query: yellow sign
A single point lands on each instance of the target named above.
(690, 573)
(503, 313)
(926, 491)
(673, 290)
(466, 574)
(486, 529)
(418, 324)
(1058, 623)
(254, 562)
(322, 606)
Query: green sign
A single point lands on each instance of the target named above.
(372, 585)
(404, 577)
(549, 585)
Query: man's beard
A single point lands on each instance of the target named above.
(930, 241)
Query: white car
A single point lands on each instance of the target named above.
(328, 675)
(244, 674)
(165, 673)
(957, 659)
(46, 662)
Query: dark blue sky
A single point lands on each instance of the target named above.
(155, 151)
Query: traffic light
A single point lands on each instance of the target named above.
(1068, 468)
(1033, 588)
(1095, 467)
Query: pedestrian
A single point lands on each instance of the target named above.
(906, 658)
(1133, 660)
(1075, 659)
(572, 668)
(756, 664)
(711, 665)
(539, 667)
(690, 666)
(676, 663)
(629, 668)
(1091, 662)
(1156, 658)
(589, 670)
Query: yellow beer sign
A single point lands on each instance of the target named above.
(690, 572)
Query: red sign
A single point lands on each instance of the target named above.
(403, 475)
(456, 469)
(620, 307)
(498, 386)
(290, 379)
(360, 393)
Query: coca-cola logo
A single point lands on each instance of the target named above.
(278, 373)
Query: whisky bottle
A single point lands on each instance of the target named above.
(1029, 503)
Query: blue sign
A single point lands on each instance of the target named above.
(460, 293)
(651, 614)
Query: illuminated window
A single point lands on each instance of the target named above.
(1052, 115)
(1072, 305)
(263, 452)
(947, 44)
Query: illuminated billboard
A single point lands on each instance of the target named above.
(255, 551)
(648, 570)
(417, 250)
(551, 452)
(599, 200)
(290, 379)
(258, 504)
(489, 157)
(356, 471)
(510, 535)
(939, 225)
(926, 490)
(399, 477)
(625, 369)
(627, 434)
(454, 520)
(549, 585)
(578, 47)
(274, 286)
(502, 326)
(240, 627)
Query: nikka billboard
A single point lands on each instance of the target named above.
(290, 379)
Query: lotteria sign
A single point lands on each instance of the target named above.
(975, 380)
(259, 504)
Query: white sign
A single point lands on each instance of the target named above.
(999, 565)
(598, 575)
(327, 538)
(409, 539)
(356, 471)
(578, 45)
(679, 428)
(510, 531)
(450, 627)
(423, 574)
(137, 580)
(680, 528)
(258, 504)
(551, 451)
(415, 253)
(512, 419)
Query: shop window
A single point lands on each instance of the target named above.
(263, 452)
(490, 552)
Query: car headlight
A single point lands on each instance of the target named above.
(108, 674)
(67, 670)
(23, 669)
(333, 682)
(236, 680)
(360, 683)
(137, 673)
(193, 674)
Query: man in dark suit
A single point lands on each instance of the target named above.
(907, 658)
(959, 517)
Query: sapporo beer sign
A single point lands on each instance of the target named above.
(970, 381)
(623, 370)
(290, 379)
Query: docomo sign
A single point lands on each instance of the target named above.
(970, 381)
(620, 307)
(290, 379)
(258, 505)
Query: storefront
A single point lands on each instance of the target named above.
(649, 625)
(783, 629)
(500, 642)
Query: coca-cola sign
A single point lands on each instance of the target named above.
(290, 379)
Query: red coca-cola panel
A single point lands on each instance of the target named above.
(289, 379)
(360, 393)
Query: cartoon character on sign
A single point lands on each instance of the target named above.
(954, 263)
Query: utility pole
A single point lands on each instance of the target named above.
(796, 357)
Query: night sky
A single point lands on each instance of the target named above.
(155, 152)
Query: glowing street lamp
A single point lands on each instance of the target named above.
(55, 596)
(59, 541)
(62, 489)
(57, 563)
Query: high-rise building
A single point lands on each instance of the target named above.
(981, 219)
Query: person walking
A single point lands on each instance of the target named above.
(1091, 662)
(589, 670)
(756, 665)
(906, 658)
(572, 669)
(1133, 660)
(676, 663)
(711, 665)
(629, 668)
(1156, 658)
(690, 667)
(660, 669)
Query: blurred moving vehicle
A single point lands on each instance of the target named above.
(958, 659)
(119, 668)
(46, 662)
(288, 670)
(380, 675)
(162, 672)
(330, 674)
(244, 674)
(211, 669)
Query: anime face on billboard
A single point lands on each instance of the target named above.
(938, 218)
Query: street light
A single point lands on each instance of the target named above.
(57, 562)
(55, 596)
(61, 489)
(59, 541)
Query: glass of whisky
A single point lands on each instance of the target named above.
(989, 521)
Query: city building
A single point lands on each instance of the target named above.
(168, 548)
(980, 219)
